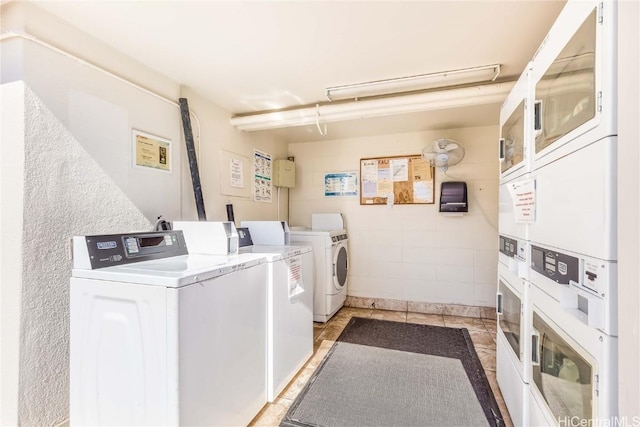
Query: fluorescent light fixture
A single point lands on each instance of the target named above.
(485, 74)
(410, 103)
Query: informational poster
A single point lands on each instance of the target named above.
(403, 179)
(523, 197)
(262, 174)
(236, 173)
(294, 265)
(150, 151)
(340, 184)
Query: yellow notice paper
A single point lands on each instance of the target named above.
(152, 151)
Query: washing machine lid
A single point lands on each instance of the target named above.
(317, 232)
(276, 252)
(174, 272)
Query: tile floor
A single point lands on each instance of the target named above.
(482, 331)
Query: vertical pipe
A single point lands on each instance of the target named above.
(193, 160)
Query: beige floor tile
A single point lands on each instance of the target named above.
(318, 325)
(490, 325)
(272, 413)
(483, 340)
(331, 332)
(470, 323)
(317, 332)
(396, 316)
(320, 342)
(297, 383)
(487, 358)
(425, 319)
(494, 336)
(339, 321)
(353, 312)
(319, 354)
(493, 382)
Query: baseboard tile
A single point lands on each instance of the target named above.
(422, 307)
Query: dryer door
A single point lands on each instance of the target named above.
(340, 265)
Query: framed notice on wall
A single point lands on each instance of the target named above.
(410, 179)
(150, 151)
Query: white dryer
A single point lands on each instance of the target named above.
(289, 312)
(331, 257)
(513, 349)
(161, 337)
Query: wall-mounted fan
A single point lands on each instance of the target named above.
(443, 153)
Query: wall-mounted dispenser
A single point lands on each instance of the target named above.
(453, 197)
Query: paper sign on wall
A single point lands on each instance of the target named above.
(523, 197)
(236, 173)
(151, 151)
(262, 170)
(341, 184)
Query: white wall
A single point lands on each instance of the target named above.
(11, 202)
(629, 207)
(67, 170)
(410, 252)
(217, 136)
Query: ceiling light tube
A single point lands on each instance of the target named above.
(451, 98)
(484, 73)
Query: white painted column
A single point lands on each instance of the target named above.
(629, 208)
(11, 220)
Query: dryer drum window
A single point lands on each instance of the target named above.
(341, 268)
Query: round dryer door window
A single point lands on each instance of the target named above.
(340, 267)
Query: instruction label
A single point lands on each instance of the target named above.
(294, 265)
(523, 197)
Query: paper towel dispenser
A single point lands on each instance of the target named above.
(453, 197)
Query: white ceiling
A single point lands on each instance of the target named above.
(249, 56)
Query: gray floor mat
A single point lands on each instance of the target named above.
(382, 373)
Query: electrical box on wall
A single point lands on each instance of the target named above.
(284, 173)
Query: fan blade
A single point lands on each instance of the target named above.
(428, 155)
(451, 146)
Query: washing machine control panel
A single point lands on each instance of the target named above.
(339, 237)
(116, 249)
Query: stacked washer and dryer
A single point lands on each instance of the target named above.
(557, 285)
(329, 240)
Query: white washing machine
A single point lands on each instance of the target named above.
(331, 257)
(289, 311)
(161, 337)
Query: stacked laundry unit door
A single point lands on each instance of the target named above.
(513, 347)
(574, 237)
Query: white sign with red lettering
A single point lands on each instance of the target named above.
(523, 196)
